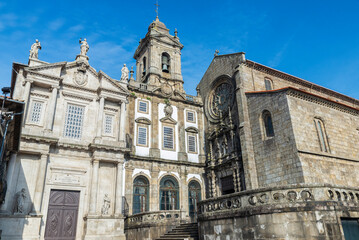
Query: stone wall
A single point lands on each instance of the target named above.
(292, 212)
(275, 157)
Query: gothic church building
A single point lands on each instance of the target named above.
(257, 154)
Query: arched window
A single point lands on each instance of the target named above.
(169, 195)
(194, 196)
(268, 84)
(144, 66)
(165, 62)
(140, 195)
(268, 124)
(321, 135)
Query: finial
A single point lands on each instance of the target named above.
(131, 74)
(216, 52)
(176, 32)
(157, 9)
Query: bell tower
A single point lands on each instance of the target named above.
(158, 57)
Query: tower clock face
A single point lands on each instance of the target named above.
(221, 99)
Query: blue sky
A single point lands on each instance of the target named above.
(314, 40)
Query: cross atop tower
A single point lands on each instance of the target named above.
(157, 8)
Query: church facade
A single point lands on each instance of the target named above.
(257, 154)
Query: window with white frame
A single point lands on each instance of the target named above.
(191, 116)
(108, 128)
(142, 136)
(74, 121)
(168, 138)
(192, 146)
(142, 106)
(35, 114)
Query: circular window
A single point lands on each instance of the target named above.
(220, 99)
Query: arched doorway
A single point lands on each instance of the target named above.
(194, 196)
(140, 195)
(169, 194)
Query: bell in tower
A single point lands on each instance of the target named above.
(165, 63)
(159, 57)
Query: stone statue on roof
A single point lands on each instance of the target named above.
(124, 75)
(34, 51)
(84, 47)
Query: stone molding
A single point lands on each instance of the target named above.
(322, 101)
(305, 83)
(39, 95)
(161, 160)
(44, 75)
(46, 66)
(143, 120)
(192, 130)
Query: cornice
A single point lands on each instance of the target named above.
(297, 80)
(322, 101)
(310, 97)
(43, 75)
(133, 157)
(80, 88)
(45, 66)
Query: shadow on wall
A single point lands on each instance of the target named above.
(16, 219)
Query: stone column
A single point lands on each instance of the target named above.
(100, 117)
(182, 153)
(40, 182)
(118, 206)
(235, 179)
(122, 129)
(129, 188)
(154, 147)
(26, 96)
(201, 136)
(184, 194)
(154, 191)
(10, 179)
(214, 185)
(94, 186)
(52, 106)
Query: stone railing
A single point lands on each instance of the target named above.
(153, 217)
(278, 197)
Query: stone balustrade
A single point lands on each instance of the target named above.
(153, 217)
(279, 199)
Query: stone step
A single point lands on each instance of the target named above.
(186, 231)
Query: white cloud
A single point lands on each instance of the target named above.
(56, 24)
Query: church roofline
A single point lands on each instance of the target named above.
(292, 89)
(313, 86)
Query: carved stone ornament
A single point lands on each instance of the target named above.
(168, 110)
(166, 89)
(80, 77)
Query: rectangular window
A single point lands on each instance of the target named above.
(74, 121)
(142, 106)
(108, 124)
(142, 136)
(36, 109)
(191, 116)
(168, 138)
(192, 144)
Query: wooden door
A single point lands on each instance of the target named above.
(62, 215)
